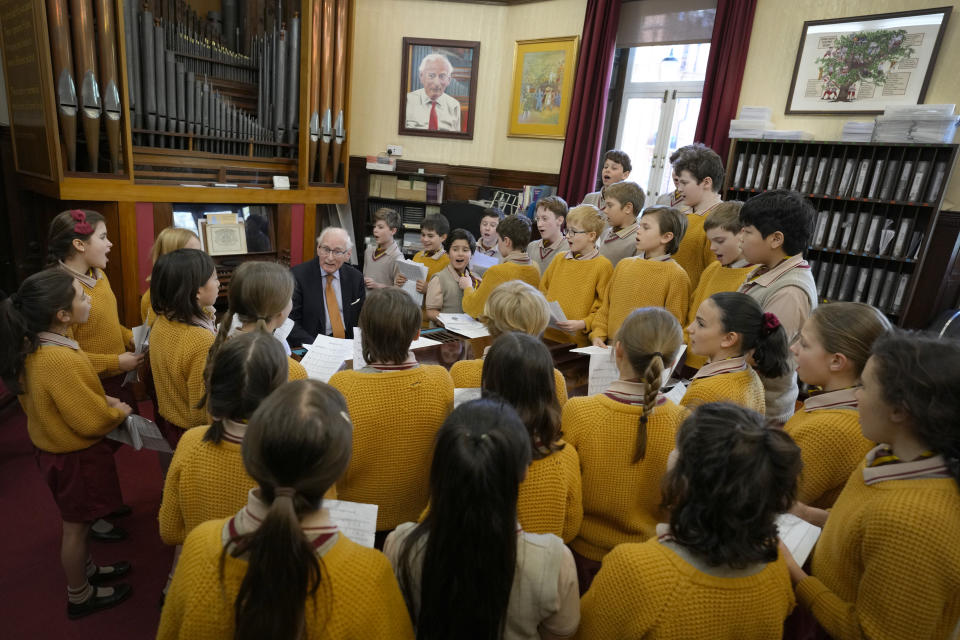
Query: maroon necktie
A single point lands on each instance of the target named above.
(433, 126)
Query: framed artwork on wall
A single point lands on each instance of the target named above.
(438, 88)
(863, 64)
(543, 73)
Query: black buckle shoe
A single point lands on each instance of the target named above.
(121, 592)
(120, 569)
(114, 535)
(122, 512)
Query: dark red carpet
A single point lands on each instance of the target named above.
(33, 601)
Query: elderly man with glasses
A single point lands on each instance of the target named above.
(429, 107)
(328, 293)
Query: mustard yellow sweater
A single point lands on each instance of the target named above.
(296, 370)
(396, 415)
(146, 311)
(648, 591)
(694, 253)
(467, 374)
(206, 480)
(621, 499)
(739, 387)
(637, 282)
(579, 286)
(714, 279)
(102, 337)
(358, 595)
(475, 299)
(550, 499)
(831, 446)
(64, 401)
(178, 355)
(887, 565)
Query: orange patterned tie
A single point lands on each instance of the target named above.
(333, 308)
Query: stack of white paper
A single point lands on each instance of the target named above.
(480, 262)
(326, 356)
(141, 335)
(854, 131)
(924, 123)
(744, 128)
(463, 324)
(413, 271)
(140, 433)
(356, 520)
(798, 535)
(787, 134)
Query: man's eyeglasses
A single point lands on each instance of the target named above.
(336, 253)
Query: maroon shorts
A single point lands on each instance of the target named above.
(84, 483)
(113, 386)
(171, 432)
(586, 570)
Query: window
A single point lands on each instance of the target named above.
(661, 103)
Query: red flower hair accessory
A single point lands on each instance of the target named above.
(770, 323)
(82, 227)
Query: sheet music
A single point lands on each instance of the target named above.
(603, 371)
(284, 330)
(140, 433)
(556, 314)
(140, 335)
(413, 271)
(799, 535)
(356, 520)
(480, 262)
(358, 360)
(677, 392)
(326, 356)
(422, 343)
(465, 394)
(463, 324)
(591, 350)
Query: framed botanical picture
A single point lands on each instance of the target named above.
(543, 72)
(438, 87)
(224, 239)
(863, 64)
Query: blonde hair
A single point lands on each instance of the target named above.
(849, 328)
(649, 337)
(516, 306)
(169, 240)
(587, 217)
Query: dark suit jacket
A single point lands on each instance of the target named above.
(308, 301)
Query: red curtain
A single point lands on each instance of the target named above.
(578, 168)
(728, 57)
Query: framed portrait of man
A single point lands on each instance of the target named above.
(438, 86)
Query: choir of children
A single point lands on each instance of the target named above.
(679, 507)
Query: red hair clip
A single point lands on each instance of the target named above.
(82, 227)
(770, 322)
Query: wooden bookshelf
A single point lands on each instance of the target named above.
(877, 205)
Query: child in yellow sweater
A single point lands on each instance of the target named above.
(170, 239)
(68, 416)
(296, 446)
(578, 278)
(519, 369)
(445, 291)
(513, 233)
(699, 180)
(623, 203)
(550, 216)
(832, 350)
(260, 299)
(714, 571)
(726, 273)
(433, 235)
(183, 284)
(887, 564)
(513, 306)
(397, 406)
(623, 437)
(736, 337)
(664, 282)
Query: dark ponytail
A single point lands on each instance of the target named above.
(247, 369)
(760, 332)
(482, 452)
(26, 313)
(921, 374)
(297, 445)
(67, 226)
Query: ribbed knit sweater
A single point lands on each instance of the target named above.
(475, 299)
(295, 370)
(145, 309)
(358, 595)
(648, 591)
(714, 279)
(621, 498)
(102, 337)
(396, 415)
(579, 287)
(64, 401)
(887, 565)
(550, 499)
(831, 446)
(635, 283)
(178, 355)
(739, 387)
(468, 374)
(694, 253)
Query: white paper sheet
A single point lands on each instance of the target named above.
(422, 343)
(799, 535)
(284, 330)
(603, 371)
(356, 520)
(140, 433)
(463, 325)
(676, 393)
(413, 271)
(556, 314)
(465, 394)
(358, 360)
(140, 335)
(668, 372)
(591, 350)
(325, 357)
(480, 262)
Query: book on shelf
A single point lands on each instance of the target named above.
(848, 282)
(835, 223)
(820, 184)
(919, 177)
(861, 289)
(758, 177)
(413, 214)
(876, 281)
(741, 165)
(904, 181)
(860, 234)
(915, 241)
(873, 234)
(903, 236)
(833, 178)
(772, 178)
(883, 302)
(751, 170)
(936, 183)
(823, 277)
(875, 180)
(820, 228)
(849, 220)
(786, 170)
(814, 267)
(809, 174)
(886, 237)
(901, 291)
(834, 286)
(860, 184)
(889, 180)
(797, 177)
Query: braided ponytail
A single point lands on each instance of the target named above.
(649, 338)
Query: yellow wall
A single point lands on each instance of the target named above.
(773, 51)
(380, 28)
